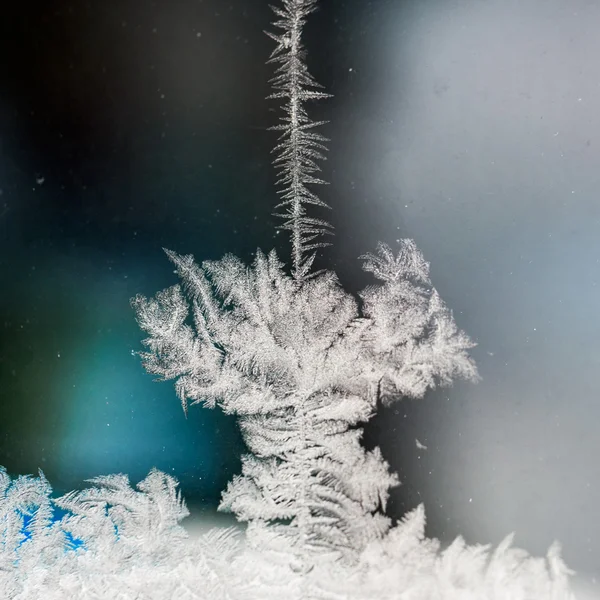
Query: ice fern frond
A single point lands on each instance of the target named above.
(408, 264)
(27, 536)
(114, 517)
(299, 147)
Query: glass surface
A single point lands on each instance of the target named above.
(471, 127)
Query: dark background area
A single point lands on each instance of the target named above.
(471, 127)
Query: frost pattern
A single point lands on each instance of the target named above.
(299, 148)
(302, 366)
(120, 543)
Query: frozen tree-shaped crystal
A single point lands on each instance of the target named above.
(293, 356)
(295, 359)
(301, 367)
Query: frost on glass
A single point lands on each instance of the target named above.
(302, 367)
(302, 364)
(120, 542)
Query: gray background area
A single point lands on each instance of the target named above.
(477, 133)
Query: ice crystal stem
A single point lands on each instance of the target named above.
(298, 148)
(303, 513)
(294, 102)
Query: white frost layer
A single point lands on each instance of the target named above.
(405, 565)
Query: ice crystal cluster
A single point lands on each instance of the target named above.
(301, 367)
(115, 542)
(302, 364)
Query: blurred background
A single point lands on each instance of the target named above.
(471, 127)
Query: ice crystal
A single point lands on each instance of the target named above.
(131, 547)
(299, 148)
